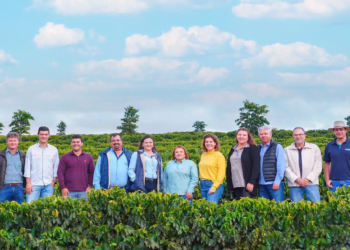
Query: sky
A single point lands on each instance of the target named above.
(176, 61)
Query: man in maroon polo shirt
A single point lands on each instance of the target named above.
(76, 171)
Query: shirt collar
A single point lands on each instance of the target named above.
(8, 151)
(180, 161)
(346, 141)
(267, 145)
(72, 152)
(39, 145)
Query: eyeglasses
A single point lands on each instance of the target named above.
(296, 135)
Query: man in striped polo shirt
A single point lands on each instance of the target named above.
(76, 171)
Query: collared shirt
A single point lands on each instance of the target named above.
(339, 157)
(281, 164)
(118, 170)
(41, 164)
(13, 168)
(151, 163)
(180, 177)
(76, 172)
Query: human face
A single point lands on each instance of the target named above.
(12, 143)
(179, 154)
(265, 136)
(147, 144)
(209, 143)
(116, 143)
(340, 133)
(76, 144)
(299, 136)
(43, 136)
(242, 137)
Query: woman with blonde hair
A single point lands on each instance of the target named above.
(211, 169)
(180, 174)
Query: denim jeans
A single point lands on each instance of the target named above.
(312, 193)
(205, 187)
(266, 191)
(8, 193)
(40, 192)
(78, 195)
(339, 184)
(184, 196)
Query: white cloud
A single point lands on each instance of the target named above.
(222, 97)
(265, 90)
(207, 75)
(82, 7)
(330, 78)
(6, 57)
(54, 35)
(138, 68)
(304, 9)
(291, 55)
(180, 42)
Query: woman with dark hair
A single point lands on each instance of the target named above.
(243, 166)
(211, 169)
(146, 167)
(181, 174)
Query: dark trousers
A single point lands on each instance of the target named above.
(151, 185)
(241, 193)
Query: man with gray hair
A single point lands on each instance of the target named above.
(304, 165)
(12, 162)
(272, 166)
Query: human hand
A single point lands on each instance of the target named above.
(250, 187)
(189, 196)
(211, 191)
(275, 187)
(29, 188)
(329, 183)
(65, 192)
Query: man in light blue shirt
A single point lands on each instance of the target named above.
(41, 167)
(272, 167)
(112, 165)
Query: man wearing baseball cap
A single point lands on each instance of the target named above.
(337, 158)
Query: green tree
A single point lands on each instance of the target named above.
(129, 121)
(1, 127)
(61, 128)
(199, 126)
(347, 119)
(20, 122)
(252, 116)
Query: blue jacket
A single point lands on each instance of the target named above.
(139, 183)
(104, 171)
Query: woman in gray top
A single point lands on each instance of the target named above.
(243, 166)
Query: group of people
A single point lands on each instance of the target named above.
(251, 170)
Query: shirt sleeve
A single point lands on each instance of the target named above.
(326, 155)
(290, 175)
(193, 178)
(28, 164)
(55, 166)
(91, 170)
(317, 168)
(97, 174)
(132, 167)
(165, 178)
(221, 171)
(281, 164)
(61, 171)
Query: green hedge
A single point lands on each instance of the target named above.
(114, 220)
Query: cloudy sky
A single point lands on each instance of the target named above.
(177, 61)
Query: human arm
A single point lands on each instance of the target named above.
(132, 167)
(55, 165)
(165, 178)
(317, 167)
(289, 174)
(61, 172)
(193, 178)
(91, 170)
(221, 171)
(27, 168)
(280, 166)
(229, 173)
(327, 170)
(97, 174)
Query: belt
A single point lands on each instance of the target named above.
(147, 179)
(13, 184)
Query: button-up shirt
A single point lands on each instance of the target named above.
(13, 168)
(180, 177)
(41, 164)
(281, 164)
(151, 163)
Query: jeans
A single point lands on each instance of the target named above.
(205, 187)
(8, 193)
(241, 193)
(184, 196)
(266, 191)
(151, 186)
(40, 192)
(339, 184)
(77, 195)
(312, 193)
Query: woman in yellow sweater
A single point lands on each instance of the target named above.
(212, 169)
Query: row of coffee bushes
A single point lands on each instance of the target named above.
(113, 220)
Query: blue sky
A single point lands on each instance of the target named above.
(177, 61)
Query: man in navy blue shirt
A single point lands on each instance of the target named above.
(337, 158)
